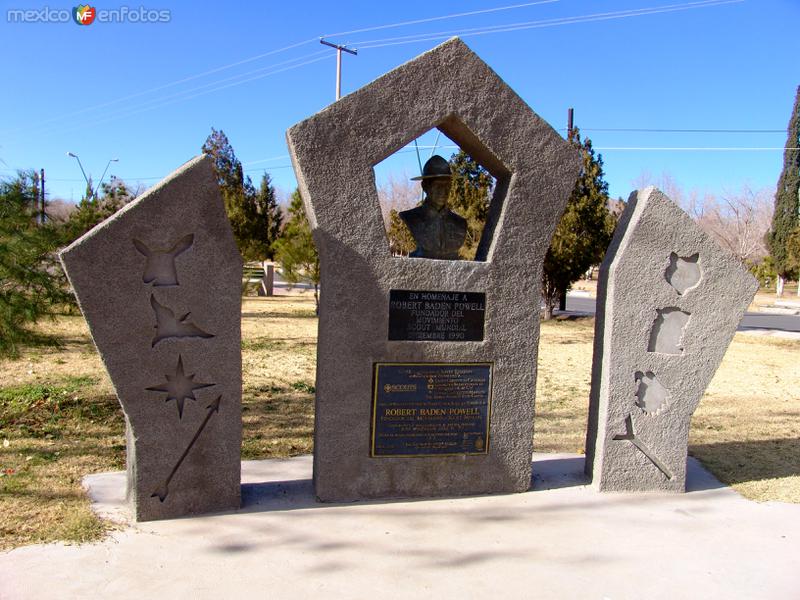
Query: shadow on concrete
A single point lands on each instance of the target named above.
(298, 494)
(278, 495)
(547, 474)
(698, 479)
(558, 473)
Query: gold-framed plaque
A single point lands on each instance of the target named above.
(430, 409)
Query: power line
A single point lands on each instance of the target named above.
(263, 55)
(696, 149)
(509, 27)
(642, 130)
(605, 129)
(262, 160)
(159, 102)
(147, 104)
(405, 150)
(431, 19)
(129, 112)
(172, 83)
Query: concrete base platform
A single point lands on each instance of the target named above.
(560, 540)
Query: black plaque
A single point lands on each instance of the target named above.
(436, 316)
(431, 409)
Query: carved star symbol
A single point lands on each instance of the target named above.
(179, 387)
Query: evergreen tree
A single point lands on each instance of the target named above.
(584, 232)
(29, 284)
(243, 215)
(400, 239)
(238, 194)
(254, 215)
(793, 252)
(469, 197)
(94, 209)
(786, 217)
(228, 168)
(268, 217)
(295, 249)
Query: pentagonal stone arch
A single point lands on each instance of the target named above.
(333, 154)
(450, 88)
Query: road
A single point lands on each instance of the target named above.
(584, 304)
(750, 322)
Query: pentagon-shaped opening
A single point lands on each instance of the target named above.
(415, 220)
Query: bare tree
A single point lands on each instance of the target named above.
(59, 210)
(398, 193)
(667, 184)
(738, 221)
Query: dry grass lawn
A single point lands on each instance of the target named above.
(59, 419)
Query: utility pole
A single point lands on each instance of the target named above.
(338, 63)
(41, 193)
(570, 116)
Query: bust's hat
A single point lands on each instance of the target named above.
(434, 168)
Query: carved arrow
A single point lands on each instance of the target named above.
(163, 489)
(631, 437)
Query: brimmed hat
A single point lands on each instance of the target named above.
(434, 168)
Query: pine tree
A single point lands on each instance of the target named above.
(94, 209)
(268, 218)
(228, 168)
(469, 197)
(295, 249)
(238, 194)
(400, 239)
(29, 282)
(584, 232)
(793, 252)
(786, 218)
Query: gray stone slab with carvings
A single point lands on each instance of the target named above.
(159, 284)
(669, 302)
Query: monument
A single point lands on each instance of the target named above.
(669, 302)
(426, 365)
(160, 286)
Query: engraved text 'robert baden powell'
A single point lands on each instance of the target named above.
(431, 409)
(436, 316)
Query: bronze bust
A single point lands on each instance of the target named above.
(437, 230)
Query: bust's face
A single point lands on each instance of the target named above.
(437, 191)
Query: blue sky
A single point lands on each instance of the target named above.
(149, 93)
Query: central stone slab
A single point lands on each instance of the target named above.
(426, 368)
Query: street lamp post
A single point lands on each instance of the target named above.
(75, 156)
(110, 160)
(92, 192)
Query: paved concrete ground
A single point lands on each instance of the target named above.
(561, 540)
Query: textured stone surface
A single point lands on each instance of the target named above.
(333, 154)
(160, 285)
(669, 301)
